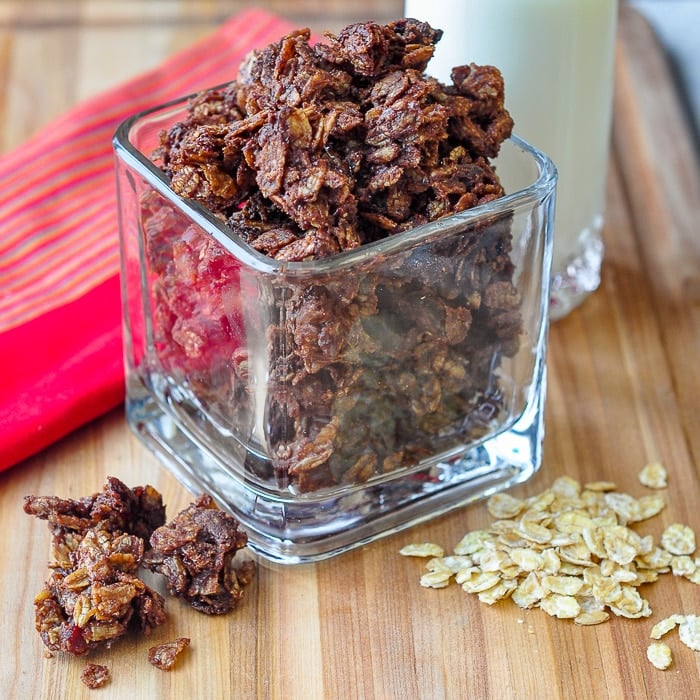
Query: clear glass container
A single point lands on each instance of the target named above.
(327, 403)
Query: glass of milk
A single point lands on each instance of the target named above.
(557, 60)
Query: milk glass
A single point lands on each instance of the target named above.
(557, 59)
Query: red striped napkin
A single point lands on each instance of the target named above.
(60, 317)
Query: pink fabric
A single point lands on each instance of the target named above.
(60, 318)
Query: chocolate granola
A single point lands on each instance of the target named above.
(164, 656)
(117, 508)
(93, 592)
(312, 151)
(195, 553)
(95, 676)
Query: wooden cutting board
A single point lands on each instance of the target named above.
(624, 381)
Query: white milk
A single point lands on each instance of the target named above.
(557, 58)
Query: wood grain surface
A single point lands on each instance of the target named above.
(624, 381)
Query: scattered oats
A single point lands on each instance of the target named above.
(593, 539)
(528, 559)
(511, 572)
(665, 625)
(567, 569)
(494, 560)
(678, 539)
(660, 655)
(437, 564)
(592, 618)
(621, 544)
(649, 506)
(654, 475)
(529, 592)
(624, 505)
(551, 563)
(466, 574)
(436, 579)
(565, 585)
(630, 604)
(593, 502)
(610, 594)
(646, 544)
(481, 582)
(541, 502)
(647, 576)
(607, 520)
(695, 576)
(689, 631)
(573, 521)
(645, 611)
(566, 487)
(503, 505)
(589, 604)
(562, 606)
(427, 549)
(472, 542)
(623, 574)
(498, 592)
(683, 565)
(534, 532)
(571, 552)
(504, 529)
(600, 486)
(563, 539)
(511, 538)
(456, 562)
(658, 559)
(577, 554)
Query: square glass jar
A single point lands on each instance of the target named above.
(327, 403)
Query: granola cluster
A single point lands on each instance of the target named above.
(312, 151)
(94, 592)
(195, 553)
(117, 508)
